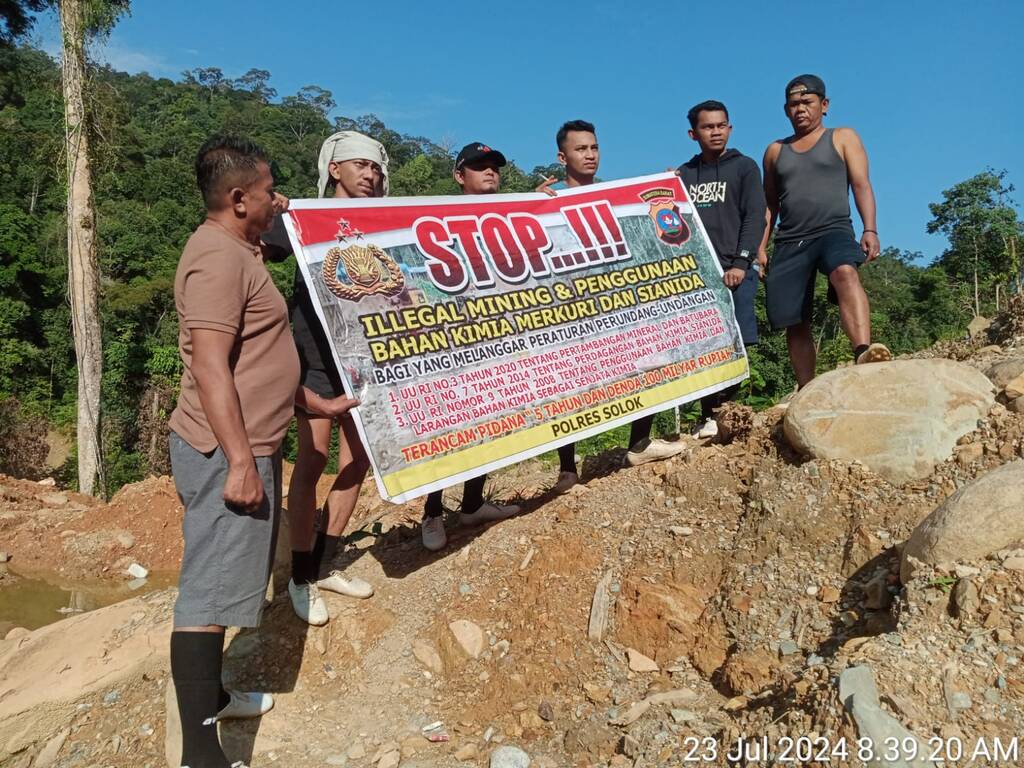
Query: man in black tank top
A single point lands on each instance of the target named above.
(807, 179)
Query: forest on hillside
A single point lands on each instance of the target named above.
(144, 135)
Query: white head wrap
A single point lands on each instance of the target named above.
(350, 145)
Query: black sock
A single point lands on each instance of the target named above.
(303, 568)
(325, 548)
(707, 407)
(860, 350)
(433, 507)
(640, 430)
(567, 458)
(473, 494)
(196, 659)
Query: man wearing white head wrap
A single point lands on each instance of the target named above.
(350, 165)
(345, 146)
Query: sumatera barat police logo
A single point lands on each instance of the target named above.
(360, 270)
(668, 222)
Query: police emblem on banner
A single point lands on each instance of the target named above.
(355, 271)
(668, 221)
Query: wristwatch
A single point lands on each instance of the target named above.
(743, 256)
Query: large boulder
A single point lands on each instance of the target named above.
(979, 519)
(44, 674)
(898, 418)
(1003, 372)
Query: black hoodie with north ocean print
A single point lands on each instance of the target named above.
(730, 200)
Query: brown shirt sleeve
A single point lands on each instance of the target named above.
(213, 297)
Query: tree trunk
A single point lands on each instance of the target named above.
(83, 269)
(1015, 264)
(977, 300)
(155, 415)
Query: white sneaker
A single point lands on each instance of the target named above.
(489, 513)
(656, 450)
(566, 480)
(308, 604)
(352, 586)
(434, 535)
(708, 429)
(246, 705)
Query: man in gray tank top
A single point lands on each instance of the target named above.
(807, 182)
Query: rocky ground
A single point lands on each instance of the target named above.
(49, 531)
(650, 615)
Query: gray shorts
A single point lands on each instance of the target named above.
(228, 553)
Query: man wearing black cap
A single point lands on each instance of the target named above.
(478, 172)
(478, 169)
(807, 178)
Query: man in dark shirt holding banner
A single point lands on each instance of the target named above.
(477, 172)
(350, 165)
(725, 186)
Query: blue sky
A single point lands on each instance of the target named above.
(931, 86)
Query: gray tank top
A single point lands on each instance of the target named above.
(813, 188)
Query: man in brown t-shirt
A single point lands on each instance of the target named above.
(238, 391)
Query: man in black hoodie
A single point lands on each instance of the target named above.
(725, 187)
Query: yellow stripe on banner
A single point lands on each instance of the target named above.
(527, 439)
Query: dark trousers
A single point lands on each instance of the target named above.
(472, 498)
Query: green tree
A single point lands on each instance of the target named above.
(978, 218)
(255, 81)
(16, 18)
(145, 132)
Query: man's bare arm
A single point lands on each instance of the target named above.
(771, 196)
(863, 195)
(211, 351)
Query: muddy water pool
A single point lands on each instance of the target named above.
(35, 601)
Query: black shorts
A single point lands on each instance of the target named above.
(327, 384)
(789, 287)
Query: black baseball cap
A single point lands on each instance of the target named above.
(474, 152)
(802, 84)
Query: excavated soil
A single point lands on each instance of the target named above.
(740, 579)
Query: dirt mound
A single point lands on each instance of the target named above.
(50, 531)
(1005, 333)
(1008, 325)
(719, 594)
(76, 536)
